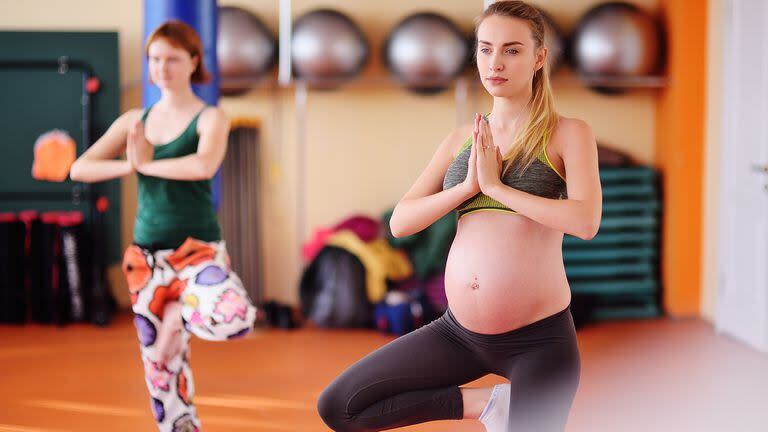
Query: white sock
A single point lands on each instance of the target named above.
(496, 413)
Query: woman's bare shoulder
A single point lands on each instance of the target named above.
(212, 117)
(567, 125)
(570, 130)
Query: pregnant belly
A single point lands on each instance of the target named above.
(504, 271)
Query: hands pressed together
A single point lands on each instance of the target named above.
(485, 160)
(138, 151)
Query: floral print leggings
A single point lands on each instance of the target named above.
(214, 306)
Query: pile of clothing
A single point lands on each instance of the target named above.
(359, 275)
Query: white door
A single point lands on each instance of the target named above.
(742, 298)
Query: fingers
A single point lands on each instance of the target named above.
(476, 138)
(487, 137)
(134, 129)
(139, 133)
(486, 133)
(472, 155)
(136, 132)
(483, 144)
(130, 146)
(481, 135)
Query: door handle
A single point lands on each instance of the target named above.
(760, 168)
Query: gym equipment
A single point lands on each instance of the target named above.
(617, 39)
(327, 48)
(245, 48)
(617, 272)
(426, 52)
(12, 296)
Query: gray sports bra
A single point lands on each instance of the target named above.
(541, 179)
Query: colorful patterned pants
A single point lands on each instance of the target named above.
(214, 306)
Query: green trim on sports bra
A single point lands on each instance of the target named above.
(543, 152)
(540, 179)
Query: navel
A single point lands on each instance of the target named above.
(475, 285)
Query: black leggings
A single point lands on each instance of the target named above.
(415, 378)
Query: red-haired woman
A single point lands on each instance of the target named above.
(178, 270)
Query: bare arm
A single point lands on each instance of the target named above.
(425, 202)
(98, 162)
(580, 214)
(213, 128)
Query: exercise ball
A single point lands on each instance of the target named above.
(617, 39)
(554, 41)
(327, 48)
(246, 49)
(426, 51)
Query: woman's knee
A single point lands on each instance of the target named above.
(332, 407)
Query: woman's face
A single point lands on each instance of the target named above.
(507, 56)
(169, 67)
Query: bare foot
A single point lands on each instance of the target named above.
(169, 336)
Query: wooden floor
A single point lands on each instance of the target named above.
(659, 375)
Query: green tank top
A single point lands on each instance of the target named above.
(169, 211)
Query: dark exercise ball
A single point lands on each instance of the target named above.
(246, 50)
(327, 48)
(425, 52)
(617, 39)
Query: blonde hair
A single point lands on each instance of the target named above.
(531, 139)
